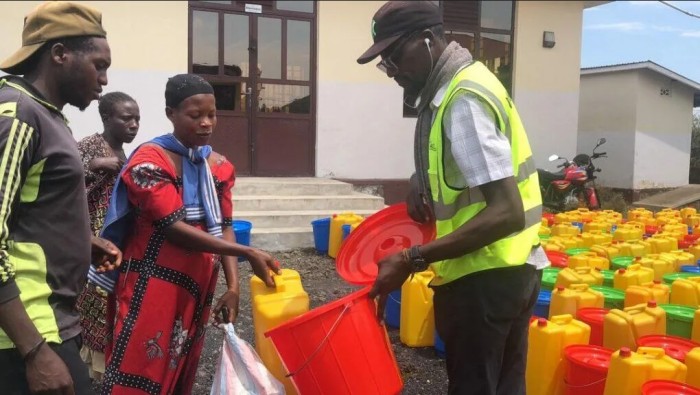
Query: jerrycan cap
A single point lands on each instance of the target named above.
(386, 232)
(657, 281)
(622, 271)
(560, 288)
(625, 352)
(651, 303)
(541, 322)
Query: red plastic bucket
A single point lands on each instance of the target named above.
(586, 369)
(684, 244)
(692, 238)
(549, 217)
(594, 317)
(667, 387)
(675, 347)
(558, 259)
(338, 348)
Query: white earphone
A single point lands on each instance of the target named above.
(427, 42)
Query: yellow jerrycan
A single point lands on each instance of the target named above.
(622, 328)
(576, 296)
(641, 294)
(544, 373)
(629, 370)
(271, 308)
(417, 328)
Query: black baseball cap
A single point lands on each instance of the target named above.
(396, 19)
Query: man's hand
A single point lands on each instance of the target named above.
(48, 374)
(393, 272)
(226, 309)
(418, 205)
(105, 255)
(261, 262)
(111, 165)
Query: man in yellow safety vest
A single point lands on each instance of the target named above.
(476, 179)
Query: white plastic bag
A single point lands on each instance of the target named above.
(240, 370)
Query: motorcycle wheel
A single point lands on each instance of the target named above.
(572, 201)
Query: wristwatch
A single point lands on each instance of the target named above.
(416, 259)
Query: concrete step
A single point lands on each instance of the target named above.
(354, 201)
(295, 218)
(282, 239)
(679, 197)
(290, 186)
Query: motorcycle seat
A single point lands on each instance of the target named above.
(547, 177)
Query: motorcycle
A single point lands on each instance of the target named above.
(574, 186)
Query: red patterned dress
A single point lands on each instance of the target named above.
(164, 291)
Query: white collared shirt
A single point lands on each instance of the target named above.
(476, 151)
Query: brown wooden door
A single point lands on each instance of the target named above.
(265, 113)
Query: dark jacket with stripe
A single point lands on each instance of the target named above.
(44, 227)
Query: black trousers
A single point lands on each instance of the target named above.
(13, 378)
(483, 319)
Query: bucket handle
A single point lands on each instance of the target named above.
(323, 342)
(584, 385)
(394, 299)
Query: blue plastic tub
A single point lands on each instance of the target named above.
(439, 346)
(322, 231)
(242, 231)
(392, 310)
(690, 269)
(542, 305)
(346, 231)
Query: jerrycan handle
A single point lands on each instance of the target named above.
(636, 309)
(280, 284)
(562, 319)
(582, 270)
(651, 352)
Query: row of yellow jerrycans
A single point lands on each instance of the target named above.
(635, 280)
(587, 216)
(683, 292)
(687, 215)
(653, 248)
(661, 263)
(626, 372)
(621, 239)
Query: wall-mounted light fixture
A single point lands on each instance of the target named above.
(548, 40)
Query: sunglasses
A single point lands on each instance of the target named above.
(387, 64)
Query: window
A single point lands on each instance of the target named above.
(299, 6)
(485, 28)
(255, 62)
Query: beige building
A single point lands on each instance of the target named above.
(308, 108)
(645, 112)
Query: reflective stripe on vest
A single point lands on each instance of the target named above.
(445, 211)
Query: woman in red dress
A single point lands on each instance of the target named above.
(166, 284)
